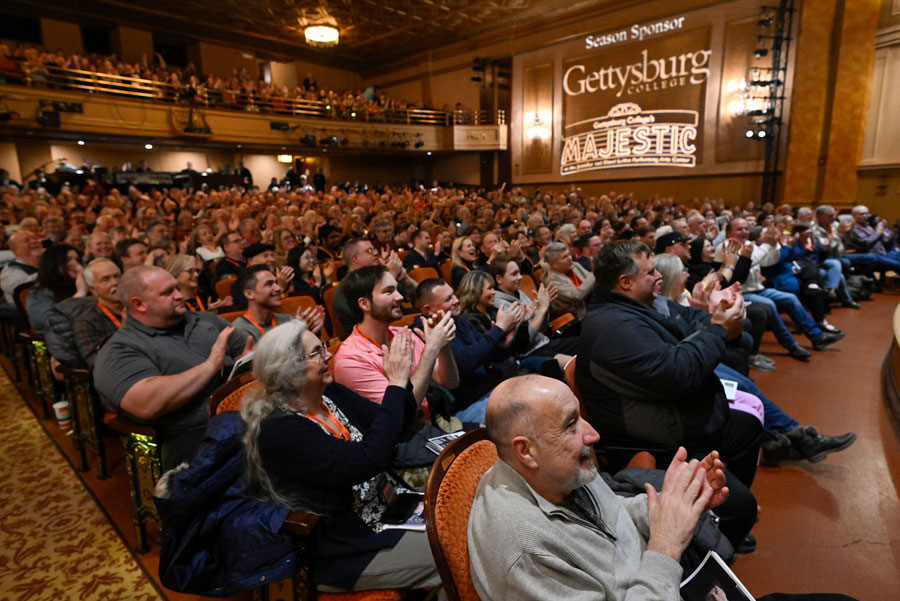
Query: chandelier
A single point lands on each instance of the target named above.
(319, 28)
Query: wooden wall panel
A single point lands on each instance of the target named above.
(537, 100)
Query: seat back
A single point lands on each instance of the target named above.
(328, 298)
(230, 316)
(291, 304)
(406, 320)
(19, 296)
(420, 274)
(228, 396)
(449, 494)
(446, 272)
(223, 286)
(528, 287)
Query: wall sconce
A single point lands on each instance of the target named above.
(537, 126)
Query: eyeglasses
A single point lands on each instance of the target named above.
(372, 250)
(320, 353)
(192, 270)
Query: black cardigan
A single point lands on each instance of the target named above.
(319, 470)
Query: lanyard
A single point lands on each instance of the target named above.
(199, 304)
(109, 314)
(378, 346)
(233, 262)
(333, 425)
(249, 318)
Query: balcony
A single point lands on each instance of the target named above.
(51, 98)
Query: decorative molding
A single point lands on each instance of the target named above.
(889, 36)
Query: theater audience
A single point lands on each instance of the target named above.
(420, 254)
(573, 282)
(542, 509)
(232, 244)
(205, 244)
(317, 445)
(101, 319)
(463, 258)
(131, 252)
(59, 277)
(374, 300)
(163, 363)
(261, 289)
(24, 268)
(186, 270)
(764, 254)
(645, 389)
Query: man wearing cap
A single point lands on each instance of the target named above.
(261, 254)
(674, 244)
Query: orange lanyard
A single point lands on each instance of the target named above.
(233, 262)
(333, 425)
(109, 314)
(199, 304)
(360, 332)
(249, 318)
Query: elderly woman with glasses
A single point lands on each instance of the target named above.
(316, 445)
(186, 270)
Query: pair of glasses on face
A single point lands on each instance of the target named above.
(319, 353)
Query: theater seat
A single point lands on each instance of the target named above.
(449, 494)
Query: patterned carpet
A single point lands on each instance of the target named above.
(54, 541)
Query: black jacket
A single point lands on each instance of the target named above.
(647, 378)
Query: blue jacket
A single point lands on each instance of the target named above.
(216, 541)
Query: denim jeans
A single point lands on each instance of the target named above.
(782, 334)
(474, 413)
(776, 420)
(790, 304)
(833, 274)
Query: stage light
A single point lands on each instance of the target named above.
(81, 142)
(749, 133)
(148, 146)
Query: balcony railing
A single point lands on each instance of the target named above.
(147, 90)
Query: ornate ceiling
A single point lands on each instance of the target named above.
(373, 33)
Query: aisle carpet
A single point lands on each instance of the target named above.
(55, 543)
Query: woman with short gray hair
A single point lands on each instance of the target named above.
(573, 282)
(314, 444)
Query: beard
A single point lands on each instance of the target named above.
(386, 314)
(584, 475)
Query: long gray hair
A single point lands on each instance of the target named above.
(280, 368)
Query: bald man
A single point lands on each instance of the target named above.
(162, 364)
(544, 526)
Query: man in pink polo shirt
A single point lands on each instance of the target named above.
(375, 301)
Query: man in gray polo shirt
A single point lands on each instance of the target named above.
(163, 363)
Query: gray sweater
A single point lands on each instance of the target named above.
(523, 547)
